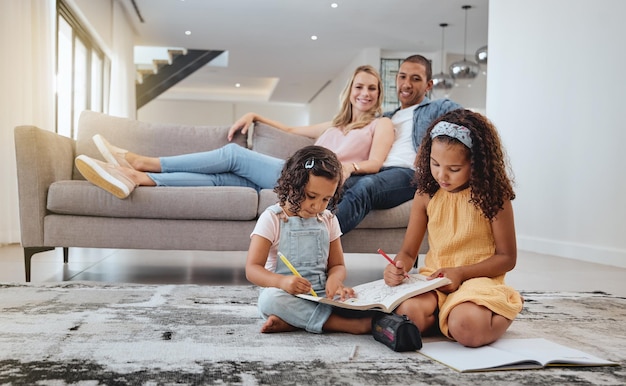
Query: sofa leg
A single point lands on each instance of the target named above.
(28, 254)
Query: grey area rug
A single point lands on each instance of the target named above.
(117, 334)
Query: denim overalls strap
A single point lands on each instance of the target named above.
(306, 244)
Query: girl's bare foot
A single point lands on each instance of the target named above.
(276, 324)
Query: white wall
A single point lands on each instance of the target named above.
(97, 17)
(555, 91)
(122, 102)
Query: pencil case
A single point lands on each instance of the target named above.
(396, 332)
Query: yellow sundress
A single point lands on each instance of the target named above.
(459, 234)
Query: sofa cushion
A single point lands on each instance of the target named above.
(184, 203)
(396, 217)
(267, 197)
(277, 143)
(148, 138)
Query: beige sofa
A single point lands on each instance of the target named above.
(58, 208)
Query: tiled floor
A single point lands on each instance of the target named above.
(534, 272)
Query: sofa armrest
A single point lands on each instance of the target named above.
(42, 158)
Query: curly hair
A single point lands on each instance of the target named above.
(343, 119)
(491, 177)
(316, 160)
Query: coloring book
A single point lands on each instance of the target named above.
(509, 354)
(377, 295)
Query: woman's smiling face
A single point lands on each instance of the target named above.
(364, 92)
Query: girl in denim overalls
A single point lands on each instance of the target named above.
(302, 227)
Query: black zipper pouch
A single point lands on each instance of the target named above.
(396, 332)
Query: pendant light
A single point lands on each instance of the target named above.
(464, 69)
(442, 81)
(481, 55)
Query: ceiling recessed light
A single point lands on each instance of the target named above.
(187, 33)
(237, 84)
(334, 5)
(313, 37)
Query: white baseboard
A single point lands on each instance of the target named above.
(589, 253)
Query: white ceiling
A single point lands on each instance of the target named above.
(268, 41)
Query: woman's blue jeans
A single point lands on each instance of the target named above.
(230, 165)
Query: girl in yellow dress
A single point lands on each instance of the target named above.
(463, 200)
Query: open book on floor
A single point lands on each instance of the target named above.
(377, 295)
(509, 354)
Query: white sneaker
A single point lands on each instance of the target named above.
(112, 154)
(105, 176)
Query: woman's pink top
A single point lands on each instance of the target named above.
(354, 146)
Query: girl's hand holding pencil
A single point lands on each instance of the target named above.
(294, 285)
(394, 273)
(296, 274)
(406, 275)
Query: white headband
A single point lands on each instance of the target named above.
(461, 133)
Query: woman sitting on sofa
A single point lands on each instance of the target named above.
(358, 135)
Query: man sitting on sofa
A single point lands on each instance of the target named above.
(393, 185)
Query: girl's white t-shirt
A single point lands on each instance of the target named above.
(268, 226)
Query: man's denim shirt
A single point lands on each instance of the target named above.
(425, 114)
